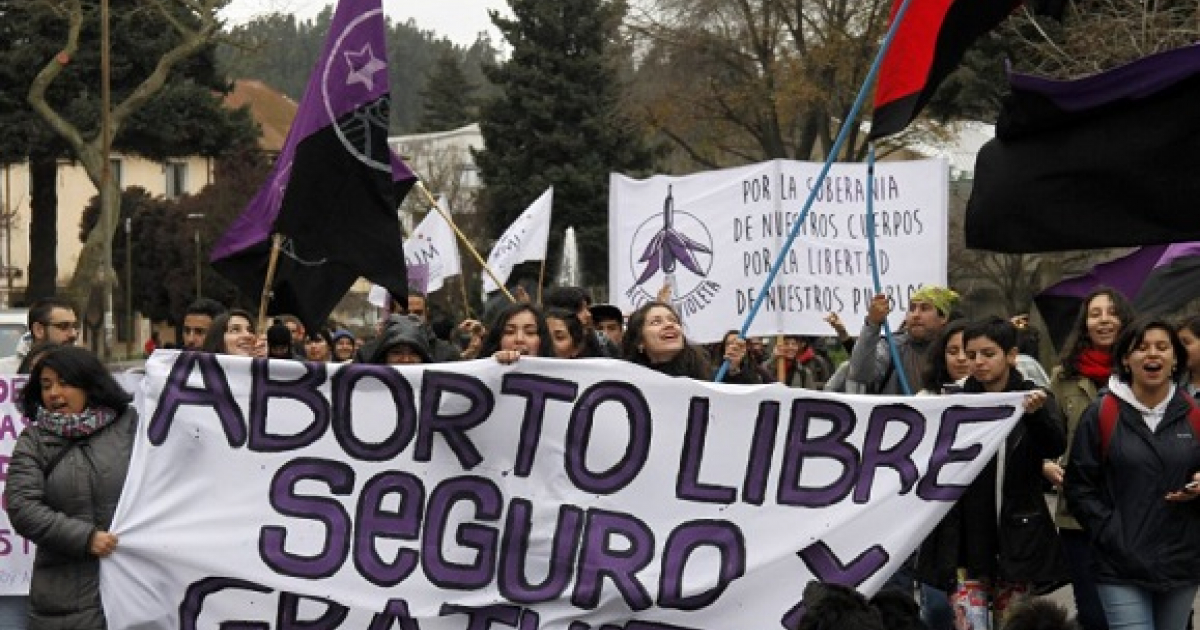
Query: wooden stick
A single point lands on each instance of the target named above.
(463, 239)
(276, 244)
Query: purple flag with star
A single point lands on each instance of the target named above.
(336, 185)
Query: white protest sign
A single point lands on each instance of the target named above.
(539, 495)
(16, 553)
(715, 236)
(433, 244)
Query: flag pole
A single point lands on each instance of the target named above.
(850, 122)
(541, 281)
(433, 204)
(276, 243)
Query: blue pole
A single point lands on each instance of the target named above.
(847, 124)
(887, 330)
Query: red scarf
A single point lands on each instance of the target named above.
(1095, 364)
(804, 357)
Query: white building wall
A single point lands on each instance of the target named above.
(75, 191)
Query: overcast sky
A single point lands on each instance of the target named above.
(459, 20)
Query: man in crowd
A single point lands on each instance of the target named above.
(609, 321)
(197, 319)
(871, 363)
(50, 320)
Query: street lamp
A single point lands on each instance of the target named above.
(197, 217)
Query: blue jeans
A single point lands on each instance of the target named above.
(1078, 551)
(14, 612)
(1135, 608)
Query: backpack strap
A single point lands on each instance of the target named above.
(1193, 415)
(1110, 411)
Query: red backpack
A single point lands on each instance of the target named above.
(1110, 410)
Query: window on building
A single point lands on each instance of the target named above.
(176, 173)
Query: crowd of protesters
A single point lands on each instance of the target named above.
(1114, 430)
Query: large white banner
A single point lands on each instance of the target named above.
(16, 553)
(714, 237)
(547, 494)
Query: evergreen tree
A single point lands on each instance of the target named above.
(558, 122)
(448, 100)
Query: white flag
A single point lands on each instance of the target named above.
(523, 241)
(433, 245)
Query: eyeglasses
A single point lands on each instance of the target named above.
(63, 326)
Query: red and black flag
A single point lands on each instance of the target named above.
(1103, 161)
(930, 43)
(336, 185)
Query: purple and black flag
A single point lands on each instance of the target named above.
(1103, 161)
(1156, 278)
(336, 185)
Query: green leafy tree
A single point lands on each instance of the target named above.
(448, 100)
(166, 101)
(559, 122)
(163, 274)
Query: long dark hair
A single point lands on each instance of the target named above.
(1134, 333)
(80, 368)
(491, 343)
(214, 341)
(1078, 340)
(937, 373)
(691, 361)
(586, 342)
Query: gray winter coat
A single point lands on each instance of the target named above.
(59, 513)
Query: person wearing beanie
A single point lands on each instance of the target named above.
(343, 346)
(404, 341)
(871, 367)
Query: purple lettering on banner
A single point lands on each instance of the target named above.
(486, 617)
(5, 390)
(536, 390)
(214, 394)
(899, 457)
(272, 540)
(687, 483)
(944, 452)
(833, 445)
(372, 523)
(345, 382)
(483, 494)
(514, 554)
(193, 600)
(289, 613)
(579, 435)
(304, 390)
(395, 611)
(827, 567)
(452, 427)
(619, 563)
(766, 427)
(723, 536)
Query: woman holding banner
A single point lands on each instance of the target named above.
(64, 479)
(519, 330)
(654, 338)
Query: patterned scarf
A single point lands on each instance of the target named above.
(75, 425)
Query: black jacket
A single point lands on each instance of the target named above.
(1139, 538)
(1021, 545)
